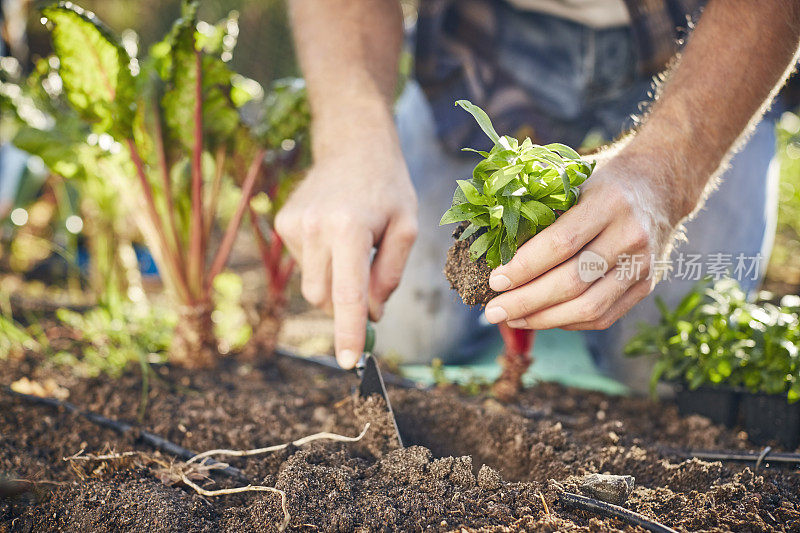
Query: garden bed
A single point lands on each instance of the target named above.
(540, 447)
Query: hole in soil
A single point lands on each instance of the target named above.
(490, 433)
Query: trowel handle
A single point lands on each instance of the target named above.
(369, 345)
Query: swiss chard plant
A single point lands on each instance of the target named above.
(177, 115)
(518, 189)
(716, 337)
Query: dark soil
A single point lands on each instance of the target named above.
(470, 278)
(476, 464)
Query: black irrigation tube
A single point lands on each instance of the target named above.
(583, 503)
(765, 455)
(123, 428)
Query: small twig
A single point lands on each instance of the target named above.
(612, 511)
(299, 442)
(249, 488)
(106, 457)
(544, 503)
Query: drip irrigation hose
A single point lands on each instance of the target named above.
(124, 428)
(583, 503)
(766, 455)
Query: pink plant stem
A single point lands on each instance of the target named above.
(229, 237)
(196, 245)
(278, 271)
(162, 161)
(168, 254)
(518, 343)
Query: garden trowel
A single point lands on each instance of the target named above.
(371, 378)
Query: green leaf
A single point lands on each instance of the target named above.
(564, 150)
(493, 253)
(471, 193)
(565, 181)
(500, 178)
(93, 67)
(481, 152)
(481, 245)
(481, 118)
(460, 213)
(508, 247)
(495, 215)
(537, 212)
(511, 215)
(469, 232)
(190, 67)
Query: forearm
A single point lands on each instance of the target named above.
(735, 61)
(349, 51)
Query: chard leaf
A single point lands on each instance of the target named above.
(471, 193)
(481, 118)
(93, 68)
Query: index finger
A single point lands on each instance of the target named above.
(548, 249)
(350, 278)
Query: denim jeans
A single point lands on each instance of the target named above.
(584, 80)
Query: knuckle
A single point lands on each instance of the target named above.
(592, 309)
(563, 241)
(312, 222)
(619, 198)
(574, 284)
(407, 233)
(520, 306)
(638, 237)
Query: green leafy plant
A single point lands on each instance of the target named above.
(518, 189)
(176, 117)
(716, 337)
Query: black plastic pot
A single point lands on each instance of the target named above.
(720, 405)
(769, 418)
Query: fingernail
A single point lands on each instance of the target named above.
(347, 359)
(499, 282)
(496, 314)
(517, 323)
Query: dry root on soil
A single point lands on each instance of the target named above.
(196, 468)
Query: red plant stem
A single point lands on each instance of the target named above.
(277, 277)
(196, 245)
(220, 157)
(162, 161)
(229, 237)
(168, 255)
(517, 341)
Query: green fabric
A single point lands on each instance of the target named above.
(559, 356)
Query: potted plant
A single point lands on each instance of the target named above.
(516, 190)
(731, 359)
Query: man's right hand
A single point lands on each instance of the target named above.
(357, 196)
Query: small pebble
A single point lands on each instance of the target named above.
(608, 488)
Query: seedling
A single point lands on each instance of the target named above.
(517, 190)
(716, 337)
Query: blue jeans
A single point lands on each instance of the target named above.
(584, 80)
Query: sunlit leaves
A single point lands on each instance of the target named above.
(715, 336)
(93, 67)
(516, 190)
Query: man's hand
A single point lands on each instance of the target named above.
(358, 195)
(635, 200)
(620, 213)
(350, 202)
